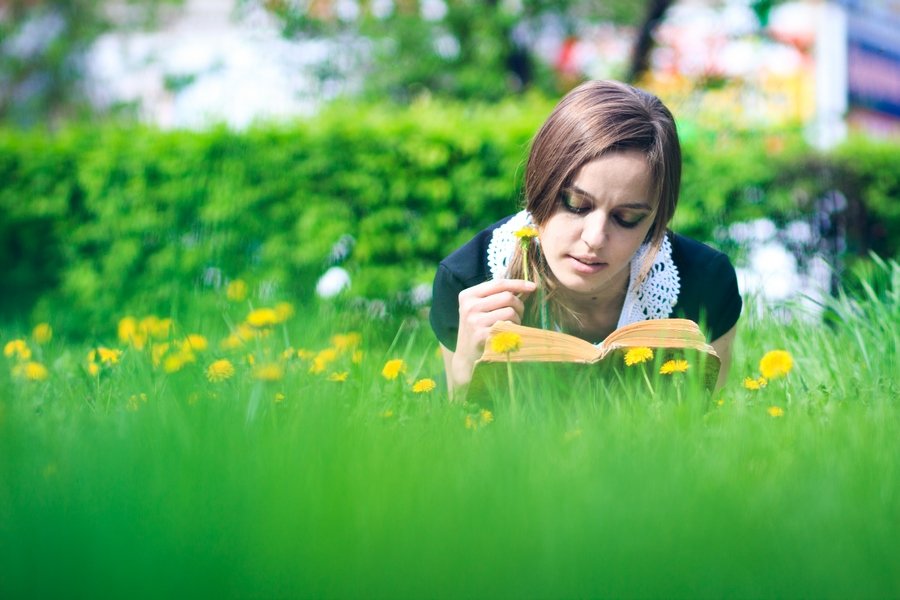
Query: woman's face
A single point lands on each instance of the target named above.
(599, 223)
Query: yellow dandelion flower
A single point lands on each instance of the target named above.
(236, 291)
(423, 386)
(317, 366)
(471, 423)
(32, 371)
(279, 397)
(268, 372)
(506, 342)
(196, 342)
(342, 376)
(17, 348)
(109, 356)
(232, 342)
(93, 369)
(776, 363)
(754, 384)
(674, 366)
(322, 359)
(177, 361)
(158, 329)
(393, 368)
(345, 341)
(157, 351)
(246, 333)
(130, 333)
(526, 233)
(486, 416)
(42, 333)
(283, 311)
(220, 370)
(262, 317)
(637, 355)
(775, 411)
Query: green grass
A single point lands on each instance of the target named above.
(365, 489)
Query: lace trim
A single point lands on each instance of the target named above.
(653, 299)
(658, 294)
(503, 243)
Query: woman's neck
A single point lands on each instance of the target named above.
(597, 314)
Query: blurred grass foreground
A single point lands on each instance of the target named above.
(271, 452)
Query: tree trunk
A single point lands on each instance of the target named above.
(640, 55)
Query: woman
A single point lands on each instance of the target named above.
(601, 186)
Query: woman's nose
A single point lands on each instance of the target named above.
(593, 232)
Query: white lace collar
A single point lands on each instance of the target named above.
(653, 299)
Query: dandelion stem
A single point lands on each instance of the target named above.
(525, 262)
(512, 391)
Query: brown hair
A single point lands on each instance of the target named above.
(594, 119)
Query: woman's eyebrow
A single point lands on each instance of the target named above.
(630, 205)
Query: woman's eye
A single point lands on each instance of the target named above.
(575, 204)
(629, 222)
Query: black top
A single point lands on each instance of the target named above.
(709, 291)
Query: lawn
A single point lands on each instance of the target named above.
(139, 464)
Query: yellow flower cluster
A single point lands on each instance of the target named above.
(25, 368)
(773, 365)
(30, 370)
(137, 333)
(754, 384)
(154, 339)
(484, 417)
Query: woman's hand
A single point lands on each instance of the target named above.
(481, 306)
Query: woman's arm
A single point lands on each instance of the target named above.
(723, 346)
(481, 306)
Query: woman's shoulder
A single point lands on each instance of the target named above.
(469, 263)
(695, 258)
(708, 285)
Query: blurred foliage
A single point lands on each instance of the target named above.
(94, 221)
(464, 49)
(43, 44)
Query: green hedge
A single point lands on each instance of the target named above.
(98, 221)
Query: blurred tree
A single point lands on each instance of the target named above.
(462, 48)
(43, 44)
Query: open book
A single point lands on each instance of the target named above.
(668, 338)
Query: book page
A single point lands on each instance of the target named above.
(658, 333)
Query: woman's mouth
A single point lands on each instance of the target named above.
(586, 264)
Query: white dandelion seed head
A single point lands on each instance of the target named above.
(334, 281)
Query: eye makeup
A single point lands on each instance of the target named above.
(578, 202)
